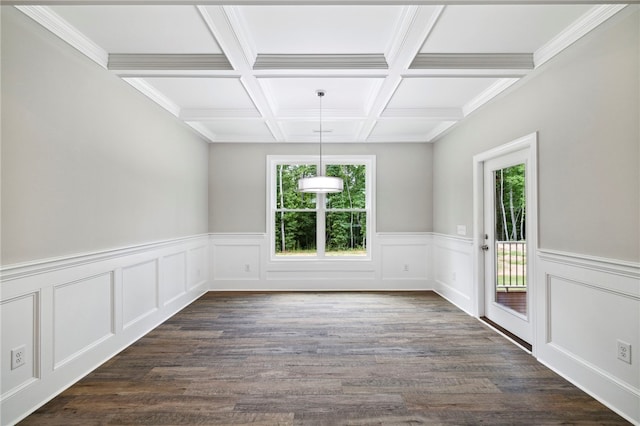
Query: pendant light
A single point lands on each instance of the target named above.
(320, 184)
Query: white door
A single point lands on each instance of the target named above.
(507, 280)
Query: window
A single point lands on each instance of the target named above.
(320, 226)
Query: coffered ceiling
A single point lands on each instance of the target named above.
(391, 72)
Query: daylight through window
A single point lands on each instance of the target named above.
(320, 225)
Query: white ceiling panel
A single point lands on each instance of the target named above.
(342, 94)
(403, 130)
(220, 93)
(332, 131)
(504, 29)
(238, 130)
(142, 29)
(321, 29)
(249, 73)
(438, 92)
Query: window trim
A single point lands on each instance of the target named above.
(271, 203)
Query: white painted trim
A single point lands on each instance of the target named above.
(41, 278)
(240, 27)
(168, 61)
(368, 160)
(601, 264)
(312, 2)
(589, 21)
(440, 128)
(614, 282)
(319, 61)
(530, 143)
(204, 131)
(395, 45)
(25, 269)
(492, 91)
(67, 32)
(494, 61)
(206, 114)
(451, 113)
(154, 94)
(234, 251)
(456, 238)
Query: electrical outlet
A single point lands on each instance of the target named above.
(453, 276)
(247, 267)
(624, 351)
(18, 357)
(462, 230)
(405, 268)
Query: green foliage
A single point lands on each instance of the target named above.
(345, 218)
(510, 203)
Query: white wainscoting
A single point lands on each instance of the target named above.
(399, 261)
(71, 314)
(584, 306)
(453, 270)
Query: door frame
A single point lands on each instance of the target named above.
(529, 142)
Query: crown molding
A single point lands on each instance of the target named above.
(439, 129)
(320, 61)
(208, 114)
(61, 28)
(154, 94)
(491, 92)
(491, 61)
(171, 61)
(202, 130)
(423, 113)
(311, 2)
(589, 21)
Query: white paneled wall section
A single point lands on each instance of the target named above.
(584, 307)
(399, 261)
(71, 314)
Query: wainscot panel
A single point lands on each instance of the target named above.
(71, 314)
(585, 307)
(398, 261)
(453, 270)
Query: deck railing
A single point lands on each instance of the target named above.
(511, 265)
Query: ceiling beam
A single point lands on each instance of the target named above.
(418, 22)
(492, 61)
(172, 61)
(312, 2)
(320, 61)
(222, 24)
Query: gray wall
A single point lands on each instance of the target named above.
(88, 163)
(584, 104)
(237, 184)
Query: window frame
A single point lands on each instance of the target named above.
(272, 207)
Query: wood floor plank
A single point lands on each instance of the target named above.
(323, 359)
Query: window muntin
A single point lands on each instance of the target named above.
(320, 226)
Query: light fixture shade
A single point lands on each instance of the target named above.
(320, 184)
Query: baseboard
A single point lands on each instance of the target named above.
(72, 314)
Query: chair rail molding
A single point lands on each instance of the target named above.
(73, 313)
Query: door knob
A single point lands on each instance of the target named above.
(485, 247)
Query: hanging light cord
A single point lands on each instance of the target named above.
(320, 95)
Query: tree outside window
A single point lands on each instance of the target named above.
(320, 225)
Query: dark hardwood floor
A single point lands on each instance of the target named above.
(323, 358)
